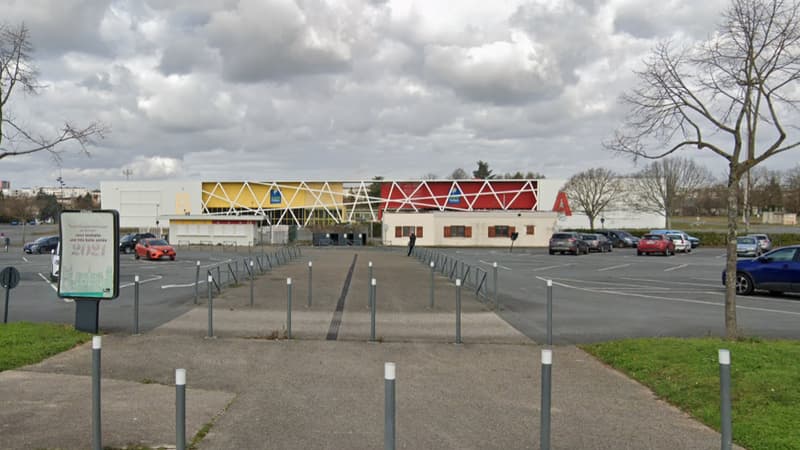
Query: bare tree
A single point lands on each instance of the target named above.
(459, 174)
(792, 189)
(663, 185)
(18, 72)
(592, 191)
(728, 95)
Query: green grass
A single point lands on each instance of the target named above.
(23, 343)
(765, 378)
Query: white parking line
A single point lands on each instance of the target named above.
(672, 299)
(670, 269)
(170, 286)
(491, 264)
(147, 280)
(552, 267)
(25, 259)
(52, 285)
(679, 283)
(613, 267)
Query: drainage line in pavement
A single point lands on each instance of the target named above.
(333, 331)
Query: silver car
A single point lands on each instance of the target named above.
(764, 242)
(747, 246)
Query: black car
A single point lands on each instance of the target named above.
(568, 242)
(41, 245)
(128, 242)
(620, 238)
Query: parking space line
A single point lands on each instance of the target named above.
(170, 286)
(613, 267)
(498, 265)
(670, 269)
(647, 280)
(148, 280)
(552, 267)
(25, 259)
(55, 288)
(671, 299)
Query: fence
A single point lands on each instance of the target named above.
(231, 271)
(471, 276)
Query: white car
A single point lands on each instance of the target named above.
(55, 263)
(681, 241)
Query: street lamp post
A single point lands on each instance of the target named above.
(157, 223)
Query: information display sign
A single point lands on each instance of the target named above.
(89, 255)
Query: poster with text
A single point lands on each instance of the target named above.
(89, 254)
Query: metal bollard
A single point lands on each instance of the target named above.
(210, 308)
(726, 427)
(496, 298)
(289, 307)
(136, 305)
(369, 286)
(432, 270)
(180, 409)
(219, 275)
(97, 441)
(373, 306)
(389, 416)
(458, 310)
(252, 279)
(309, 283)
(549, 312)
(197, 284)
(544, 428)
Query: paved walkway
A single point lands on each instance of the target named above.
(323, 389)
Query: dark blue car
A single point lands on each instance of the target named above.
(777, 271)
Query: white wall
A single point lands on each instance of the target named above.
(139, 202)
(200, 232)
(433, 224)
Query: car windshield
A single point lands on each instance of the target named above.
(652, 237)
(562, 236)
(589, 237)
(745, 240)
(157, 242)
(40, 240)
(675, 236)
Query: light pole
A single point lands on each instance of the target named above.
(157, 225)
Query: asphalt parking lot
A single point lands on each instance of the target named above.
(619, 294)
(596, 297)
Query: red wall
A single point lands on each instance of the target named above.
(436, 194)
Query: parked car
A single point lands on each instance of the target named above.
(747, 246)
(128, 242)
(777, 271)
(620, 238)
(681, 241)
(764, 242)
(597, 242)
(42, 245)
(55, 263)
(567, 242)
(154, 249)
(655, 243)
(693, 240)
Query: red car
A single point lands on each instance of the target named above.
(154, 249)
(655, 243)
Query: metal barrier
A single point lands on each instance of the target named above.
(230, 272)
(471, 276)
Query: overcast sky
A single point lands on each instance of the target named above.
(338, 89)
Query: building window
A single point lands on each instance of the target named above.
(501, 231)
(405, 231)
(530, 229)
(458, 231)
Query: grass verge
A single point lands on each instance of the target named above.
(765, 378)
(23, 343)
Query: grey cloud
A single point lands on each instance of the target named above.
(661, 19)
(99, 81)
(274, 40)
(183, 55)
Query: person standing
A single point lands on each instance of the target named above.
(411, 241)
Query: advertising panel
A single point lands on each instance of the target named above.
(89, 255)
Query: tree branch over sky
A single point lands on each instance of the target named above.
(19, 75)
(729, 95)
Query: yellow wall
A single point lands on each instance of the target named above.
(292, 195)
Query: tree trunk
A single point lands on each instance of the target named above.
(591, 223)
(731, 329)
(668, 220)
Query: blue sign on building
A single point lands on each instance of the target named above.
(274, 197)
(455, 196)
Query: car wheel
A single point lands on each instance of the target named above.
(638, 253)
(744, 284)
(172, 258)
(136, 256)
(552, 252)
(775, 292)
